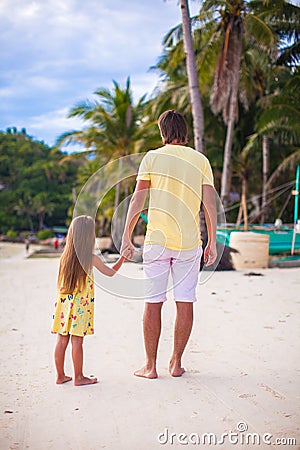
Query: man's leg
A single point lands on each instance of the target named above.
(182, 331)
(152, 328)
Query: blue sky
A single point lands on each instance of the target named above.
(55, 53)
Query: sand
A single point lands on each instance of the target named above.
(242, 366)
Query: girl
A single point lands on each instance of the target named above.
(74, 307)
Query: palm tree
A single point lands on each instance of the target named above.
(236, 25)
(197, 110)
(286, 24)
(42, 206)
(224, 31)
(25, 207)
(278, 125)
(113, 123)
(115, 127)
(284, 19)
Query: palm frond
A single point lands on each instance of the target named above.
(281, 113)
(260, 31)
(252, 144)
(82, 110)
(212, 5)
(77, 156)
(172, 37)
(290, 55)
(69, 137)
(289, 163)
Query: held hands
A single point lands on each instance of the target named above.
(127, 249)
(210, 254)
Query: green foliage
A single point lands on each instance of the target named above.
(269, 101)
(36, 181)
(35, 187)
(45, 234)
(114, 124)
(11, 234)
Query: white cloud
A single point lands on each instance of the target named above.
(44, 124)
(57, 52)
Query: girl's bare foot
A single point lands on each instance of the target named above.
(84, 381)
(64, 379)
(146, 373)
(176, 370)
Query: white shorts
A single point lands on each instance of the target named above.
(184, 266)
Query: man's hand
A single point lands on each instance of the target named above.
(127, 249)
(210, 254)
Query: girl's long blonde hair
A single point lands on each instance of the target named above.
(76, 261)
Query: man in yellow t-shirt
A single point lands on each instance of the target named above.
(179, 180)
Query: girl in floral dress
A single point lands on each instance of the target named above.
(74, 307)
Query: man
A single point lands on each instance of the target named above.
(179, 179)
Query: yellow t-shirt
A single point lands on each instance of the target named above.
(176, 174)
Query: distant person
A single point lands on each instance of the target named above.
(56, 244)
(74, 307)
(27, 245)
(179, 179)
(63, 241)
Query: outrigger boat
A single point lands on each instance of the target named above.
(283, 238)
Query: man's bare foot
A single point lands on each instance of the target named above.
(84, 381)
(176, 370)
(146, 373)
(64, 379)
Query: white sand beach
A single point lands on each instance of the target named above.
(242, 366)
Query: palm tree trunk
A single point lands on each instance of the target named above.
(266, 168)
(119, 214)
(239, 216)
(197, 110)
(41, 217)
(117, 195)
(225, 181)
(233, 104)
(30, 222)
(244, 203)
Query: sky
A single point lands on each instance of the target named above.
(55, 53)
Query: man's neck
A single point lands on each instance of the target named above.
(176, 143)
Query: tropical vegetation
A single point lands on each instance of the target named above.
(246, 58)
(35, 189)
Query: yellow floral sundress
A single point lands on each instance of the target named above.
(74, 313)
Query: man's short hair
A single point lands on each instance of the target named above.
(173, 127)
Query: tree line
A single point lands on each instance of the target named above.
(35, 188)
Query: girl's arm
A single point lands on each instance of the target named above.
(103, 268)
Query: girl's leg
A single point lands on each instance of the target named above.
(77, 355)
(59, 356)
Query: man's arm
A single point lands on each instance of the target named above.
(135, 208)
(210, 213)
